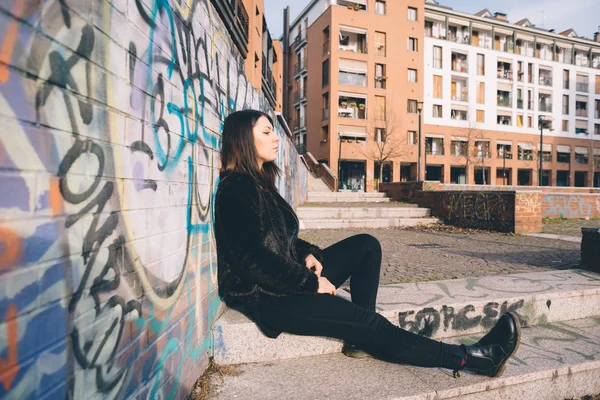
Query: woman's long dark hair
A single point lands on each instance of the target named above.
(238, 152)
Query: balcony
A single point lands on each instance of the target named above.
(325, 114)
(269, 85)
(459, 63)
(434, 146)
(504, 99)
(352, 108)
(352, 79)
(545, 102)
(504, 120)
(353, 42)
(435, 29)
(299, 124)
(504, 152)
(459, 34)
(326, 48)
(353, 5)
(461, 97)
(300, 68)
(236, 20)
(582, 87)
(458, 115)
(299, 96)
(505, 71)
(458, 148)
(545, 78)
(459, 89)
(582, 111)
(544, 107)
(300, 40)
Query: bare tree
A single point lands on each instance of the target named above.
(385, 140)
(473, 147)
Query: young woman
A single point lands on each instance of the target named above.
(285, 284)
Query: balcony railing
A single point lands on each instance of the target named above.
(326, 49)
(460, 67)
(234, 15)
(299, 95)
(300, 39)
(300, 123)
(545, 107)
(461, 97)
(432, 152)
(268, 82)
(300, 67)
(505, 74)
(502, 102)
(325, 113)
(545, 80)
(581, 113)
(345, 78)
(583, 87)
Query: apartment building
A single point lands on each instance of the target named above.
(488, 85)
(361, 73)
(348, 72)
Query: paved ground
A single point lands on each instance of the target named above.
(571, 227)
(425, 254)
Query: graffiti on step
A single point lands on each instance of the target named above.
(428, 321)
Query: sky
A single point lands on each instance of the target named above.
(581, 15)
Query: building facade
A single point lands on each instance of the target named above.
(360, 72)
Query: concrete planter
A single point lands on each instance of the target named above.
(590, 249)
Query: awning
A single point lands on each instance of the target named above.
(434, 135)
(460, 107)
(526, 146)
(582, 47)
(524, 36)
(545, 68)
(355, 95)
(563, 148)
(459, 139)
(477, 25)
(547, 147)
(503, 31)
(352, 131)
(458, 21)
(461, 51)
(564, 45)
(436, 17)
(545, 91)
(582, 98)
(581, 124)
(581, 150)
(353, 30)
(504, 142)
(504, 113)
(507, 87)
(505, 60)
(544, 40)
(353, 66)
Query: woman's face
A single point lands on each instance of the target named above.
(265, 141)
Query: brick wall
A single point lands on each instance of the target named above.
(111, 115)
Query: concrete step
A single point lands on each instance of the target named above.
(316, 185)
(308, 213)
(554, 362)
(367, 223)
(438, 309)
(334, 197)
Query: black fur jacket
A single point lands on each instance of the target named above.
(258, 249)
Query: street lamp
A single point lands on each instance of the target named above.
(419, 109)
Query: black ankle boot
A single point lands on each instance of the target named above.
(489, 355)
(351, 350)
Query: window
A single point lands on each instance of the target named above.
(380, 135)
(380, 108)
(437, 111)
(520, 120)
(412, 137)
(380, 44)
(380, 77)
(412, 75)
(563, 153)
(481, 93)
(480, 64)
(412, 44)
(520, 71)
(380, 7)
(565, 104)
(525, 151)
(352, 72)
(412, 106)
(480, 116)
(325, 71)
(565, 79)
(529, 99)
(529, 122)
(412, 14)
(520, 98)
(565, 125)
(437, 86)
(598, 84)
(530, 72)
(437, 57)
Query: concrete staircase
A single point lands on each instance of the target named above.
(559, 356)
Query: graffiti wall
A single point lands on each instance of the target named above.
(559, 205)
(110, 115)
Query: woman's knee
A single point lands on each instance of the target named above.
(371, 242)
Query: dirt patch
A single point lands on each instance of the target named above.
(207, 386)
(568, 227)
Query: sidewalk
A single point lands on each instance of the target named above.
(438, 253)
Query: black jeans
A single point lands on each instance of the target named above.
(356, 322)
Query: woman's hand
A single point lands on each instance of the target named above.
(311, 262)
(326, 287)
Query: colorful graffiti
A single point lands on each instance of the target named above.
(109, 148)
(571, 206)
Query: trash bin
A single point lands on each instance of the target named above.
(590, 249)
